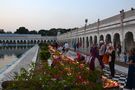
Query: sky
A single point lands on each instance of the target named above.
(47, 14)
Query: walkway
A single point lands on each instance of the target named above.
(120, 75)
(23, 62)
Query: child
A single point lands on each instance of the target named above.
(125, 57)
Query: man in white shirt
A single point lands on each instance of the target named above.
(66, 46)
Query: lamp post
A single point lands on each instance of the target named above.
(122, 14)
(98, 23)
(86, 21)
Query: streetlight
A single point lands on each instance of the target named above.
(98, 23)
(86, 21)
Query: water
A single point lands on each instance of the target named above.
(10, 54)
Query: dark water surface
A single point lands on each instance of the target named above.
(10, 54)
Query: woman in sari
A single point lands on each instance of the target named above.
(131, 70)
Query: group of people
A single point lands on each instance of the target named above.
(63, 48)
(106, 54)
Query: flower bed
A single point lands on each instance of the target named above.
(63, 74)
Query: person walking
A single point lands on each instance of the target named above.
(111, 53)
(102, 50)
(94, 54)
(130, 84)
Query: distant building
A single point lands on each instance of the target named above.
(2, 31)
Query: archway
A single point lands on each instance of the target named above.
(14, 42)
(21, 41)
(108, 39)
(80, 42)
(95, 39)
(116, 40)
(91, 41)
(24, 41)
(44, 41)
(129, 41)
(101, 38)
(10, 42)
(18, 41)
(35, 41)
(87, 42)
(7, 42)
(83, 42)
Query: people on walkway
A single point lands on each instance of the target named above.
(75, 46)
(118, 49)
(66, 46)
(131, 70)
(94, 54)
(102, 49)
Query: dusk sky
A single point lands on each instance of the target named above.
(46, 14)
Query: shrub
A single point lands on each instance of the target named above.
(44, 55)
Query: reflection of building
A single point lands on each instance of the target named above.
(7, 50)
(118, 29)
(25, 39)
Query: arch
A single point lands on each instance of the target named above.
(52, 40)
(4, 41)
(91, 41)
(87, 42)
(44, 41)
(116, 40)
(80, 42)
(101, 38)
(14, 42)
(35, 41)
(95, 39)
(38, 41)
(7, 42)
(10, 42)
(32, 41)
(83, 42)
(24, 41)
(129, 41)
(108, 39)
(48, 41)
(18, 41)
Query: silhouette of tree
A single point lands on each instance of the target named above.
(2, 31)
(9, 32)
(22, 30)
(43, 32)
(33, 32)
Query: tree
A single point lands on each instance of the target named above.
(43, 32)
(33, 32)
(22, 30)
(2, 31)
(8, 32)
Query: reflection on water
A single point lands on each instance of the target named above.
(9, 54)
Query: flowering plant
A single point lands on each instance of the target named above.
(63, 73)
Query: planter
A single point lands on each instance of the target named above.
(21, 85)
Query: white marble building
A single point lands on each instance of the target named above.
(25, 38)
(118, 29)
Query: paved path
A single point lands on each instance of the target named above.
(23, 62)
(120, 75)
